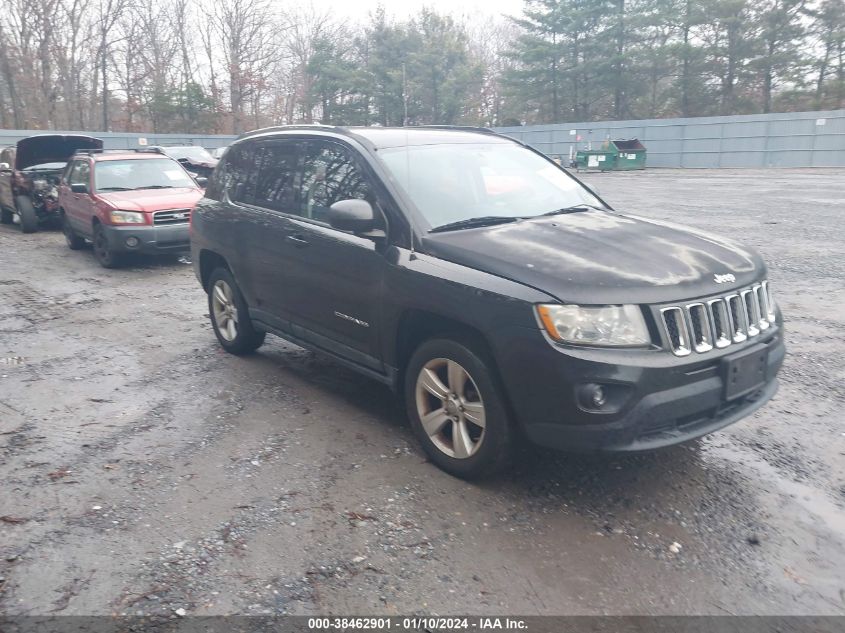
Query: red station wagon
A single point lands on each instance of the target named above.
(126, 202)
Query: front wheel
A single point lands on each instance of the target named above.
(230, 315)
(27, 214)
(457, 410)
(74, 242)
(102, 251)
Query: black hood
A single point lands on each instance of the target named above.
(52, 148)
(600, 257)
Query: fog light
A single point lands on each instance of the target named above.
(132, 242)
(591, 396)
(598, 396)
(608, 397)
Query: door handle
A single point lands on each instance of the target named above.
(298, 240)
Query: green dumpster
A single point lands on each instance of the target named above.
(617, 155)
(595, 159)
(630, 154)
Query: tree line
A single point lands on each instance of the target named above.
(225, 66)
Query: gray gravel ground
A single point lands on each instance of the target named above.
(145, 471)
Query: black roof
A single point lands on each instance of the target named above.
(384, 137)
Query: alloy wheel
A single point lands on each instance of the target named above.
(224, 310)
(450, 408)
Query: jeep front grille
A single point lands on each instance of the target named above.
(719, 321)
(172, 216)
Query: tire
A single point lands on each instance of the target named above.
(102, 251)
(74, 242)
(229, 315)
(26, 212)
(6, 216)
(451, 392)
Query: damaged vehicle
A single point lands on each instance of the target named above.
(196, 160)
(29, 177)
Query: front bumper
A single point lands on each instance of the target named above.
(151, 240)
(655, 399)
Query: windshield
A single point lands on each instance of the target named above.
(152, 173)
(193, 153)
(453, 182)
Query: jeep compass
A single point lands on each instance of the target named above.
(488, 286)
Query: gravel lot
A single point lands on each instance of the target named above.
(145, 471)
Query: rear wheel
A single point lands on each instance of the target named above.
(102, 251)
(6, 216)
(74, 242)
(26, 212)
(230, 315)
(456, 409)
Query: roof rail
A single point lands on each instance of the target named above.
(470, 128)
(139, 150)
(458, 128)
(295, 126)
(175, 145)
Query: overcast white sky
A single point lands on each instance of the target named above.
(358, 9)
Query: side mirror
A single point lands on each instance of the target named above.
(5, 167)
(79, 187)
(202, 181)
(355, 216)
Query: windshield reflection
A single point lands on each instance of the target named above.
(454, 182)
(151, 173)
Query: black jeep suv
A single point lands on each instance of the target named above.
(488, 286)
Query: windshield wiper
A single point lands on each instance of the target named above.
(157, 187)
(575, 208)
(115, 189)
(485, 220)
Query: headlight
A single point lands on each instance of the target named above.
(127, 217)
(621, 326)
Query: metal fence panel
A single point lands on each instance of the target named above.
(793, 139)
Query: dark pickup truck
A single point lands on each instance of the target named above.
(29, 176)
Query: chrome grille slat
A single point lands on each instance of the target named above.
(676, 329)
(171, 216)
(751, 318)
(701, 335)
(718, 322)
(760, 307)
(738, 320)
(770, 306)
(721, 325)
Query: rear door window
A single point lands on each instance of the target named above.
(278, 176)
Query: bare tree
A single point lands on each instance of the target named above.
(303, 29)
(245, 32)
(108, 13)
